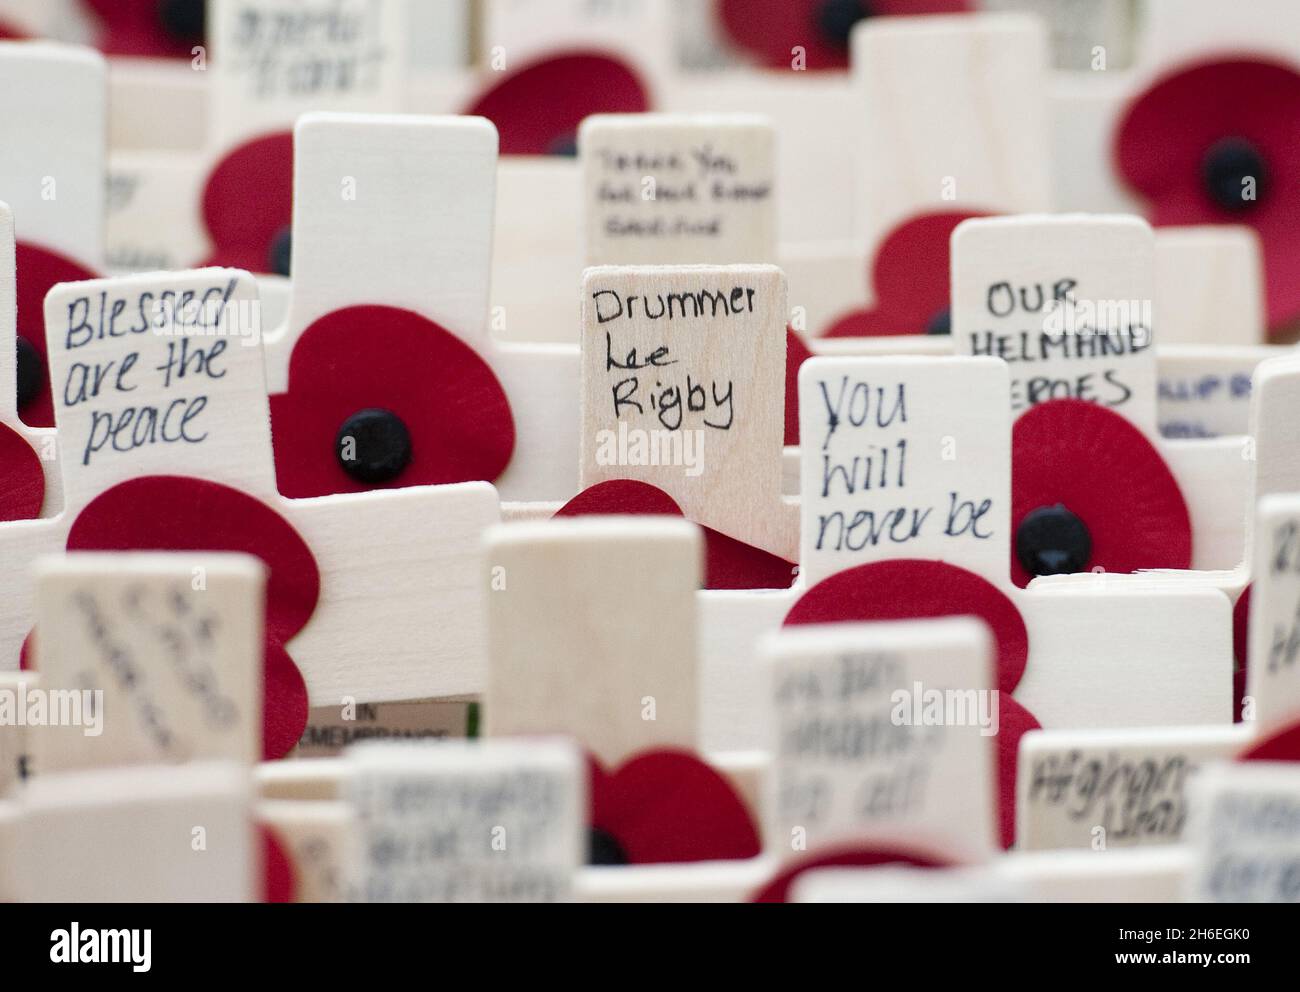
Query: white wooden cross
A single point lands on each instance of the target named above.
(143, 834)
(676, 358)
(398, 589)
(675, 189)
(1243, 834)
(1067, 301)
(417, 235)
(620, 674)
(467, 821)
(883, 734)
(164, 651)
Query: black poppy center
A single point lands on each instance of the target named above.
(836, 18)
(280, 258)
(603, 849)
(1053, 541)
(1235, 174)
(373, 446)
(940, 323)
(184, 20)
(31, 372)
(564, 146)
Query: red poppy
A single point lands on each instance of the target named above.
(1280, 745)
(796, 353)
(537, 108)
(912, 281)
(248, 206)
(729, 564)
(1196, 141)
(667, 806)
(172, 513)
(279, 879)
(1240, 651)
(153, 28)
(12, 32)
(22, 479)
(778, 889)
(419, 406)
(769, 30)
(1090, 492)
(909, 589)
(38, 271)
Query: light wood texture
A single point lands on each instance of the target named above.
(681, 365)
(1273, 673)
(508, 818)
(674, 189)
(1215, 477)
(1210, 286)
(1068, 301)
(592, 632)
(1275, 430)
(1142, 875)
(1120, 651)
(1179, 32)
(54, 114)
(1107, 790)
(883, 732)
(899, 884)
(164, 651)
(699, 882)
(905, 458)
(952, 105)
(145, 834)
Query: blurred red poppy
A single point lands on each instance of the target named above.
(1218, 142)
(174, 513)
(770, 30)
(911, 280)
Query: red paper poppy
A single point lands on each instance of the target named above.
(248, 206)
(729, 564)
(172, 513)
(769, 30)
(22, 479)
(910, 589)
(778, 889)
(537, 109)
(1280, 745)
(667, 806)
(911, 276)
(1240, 651)
(1191, 141)
(1090, 492)
(455, 420)
(796, 353)
(38, 271)
(12, 32)
(150, 28)
(279, 879)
